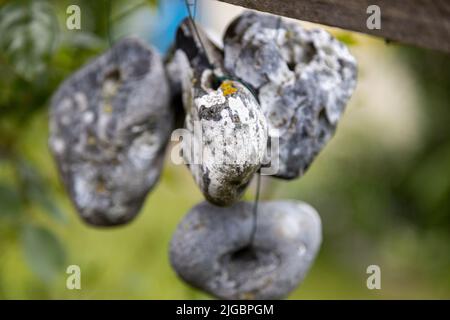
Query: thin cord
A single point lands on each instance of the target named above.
(194, 27)
(195, 9)
(255, 207)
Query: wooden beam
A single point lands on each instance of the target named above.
(424, 23)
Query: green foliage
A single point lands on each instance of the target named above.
(29, 33)
(10, 202)
(37, 53)
(427, 188)
(43, 252)
(26, 193)
(37, 191)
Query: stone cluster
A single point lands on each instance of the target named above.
(273, 82)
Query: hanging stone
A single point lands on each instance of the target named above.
(303, 79)
(109, 126)
(227, 129)
(211, 248)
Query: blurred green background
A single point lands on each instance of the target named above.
(382, 185)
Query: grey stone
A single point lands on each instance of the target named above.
(303, 78)
(211, 248)
(228, 131)
(109, 126)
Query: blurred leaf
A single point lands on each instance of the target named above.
(29, 30)
(429, 185)
(39, 192)
(9, 201)
(132, 7)
(84, 41)
(42, 198)
(43, 252)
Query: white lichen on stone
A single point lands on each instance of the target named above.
(228, 129)
(232, 142)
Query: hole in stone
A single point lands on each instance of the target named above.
(247, 264)
(246, 254)
(113, 75)
(100, 186)
(291, 65)
(216, 83)
(111, 84)
(310, 52)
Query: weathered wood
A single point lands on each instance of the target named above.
(424, 23)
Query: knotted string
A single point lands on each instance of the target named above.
(194, 27)
(218, 81)
(255, 208)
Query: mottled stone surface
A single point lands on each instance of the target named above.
(210, 249)
(109, 126)
(303, 78)
(228, 131)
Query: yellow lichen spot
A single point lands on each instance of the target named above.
(248, 296)
(227, 88)
(107, 108)
(91, 140)
(289, 34)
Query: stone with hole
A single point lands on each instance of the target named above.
(228, 131)
(211, 248)
(303, 79)
(109, 126)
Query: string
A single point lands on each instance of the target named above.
(255, 207)
(194, 27)
(195, 9)
(222, 78)
(258, 177)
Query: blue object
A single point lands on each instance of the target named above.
(165, 23)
